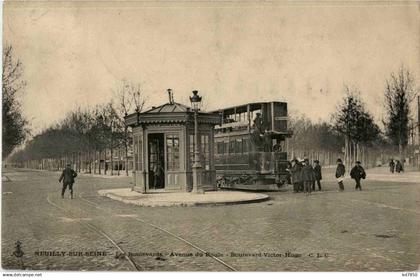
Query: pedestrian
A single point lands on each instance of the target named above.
(398, 167)
(357, 173)
(289, 174)
(157, 174)
(391, 166)
(339, 174)
(295, 174)
(67, 176)
(308, 176)
(301, 182)
(318, 175)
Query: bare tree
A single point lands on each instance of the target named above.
(400, 91)
(357, 126)
(14, 125)
(130, 99)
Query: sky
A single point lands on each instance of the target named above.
(76, 54)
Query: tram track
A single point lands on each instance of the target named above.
(166, 232)
(100, 233)
(144, 222)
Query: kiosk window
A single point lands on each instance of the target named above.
(138, 152)
(172, 152)
(205, 151)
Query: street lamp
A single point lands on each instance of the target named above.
(195, 106)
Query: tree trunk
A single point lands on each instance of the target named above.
(90, 161)
(126, 159)
(99, 162)
(119, 160)
(112, 160)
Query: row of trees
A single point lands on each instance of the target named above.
(84, 135)
(353, 131)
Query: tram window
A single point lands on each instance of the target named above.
(238, 145)
(231, 147)
(243, 117)
(172, 152)
(226, 147)
(220, 148)
(254, 114)
(245, 145)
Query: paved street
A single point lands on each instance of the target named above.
(372, 230)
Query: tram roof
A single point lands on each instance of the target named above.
(243, 108)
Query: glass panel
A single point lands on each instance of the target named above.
(191, 149)
(138, 153)
(205, 152)
(220, 148)
(172, 152)
(231, 147)
(245, 146)
(238, 146)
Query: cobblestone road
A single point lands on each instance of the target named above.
(372, 230)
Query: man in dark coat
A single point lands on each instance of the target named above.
(295, 174)
(399, 167)
(308, 176)
(67, 177)
(357, 173)
(318, 175)
(391, 166)
(339, 174)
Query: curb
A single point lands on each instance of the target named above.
(180, 204)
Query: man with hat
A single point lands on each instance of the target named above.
(295, 174)
(357, 173)
(339, 174)
(318, 175)
(67, 177)
(308, 176)
(391, 166)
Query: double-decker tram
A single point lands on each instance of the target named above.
(250, 146)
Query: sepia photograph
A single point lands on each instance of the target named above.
(212, 136)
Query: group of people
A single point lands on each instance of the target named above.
(304, 175)
(396, 166)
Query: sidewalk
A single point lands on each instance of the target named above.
(383, 174)
(166, 199)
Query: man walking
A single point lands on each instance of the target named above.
(318, 175)
(67, 177)
(339, 174)
(357, 173)
(308, 176)
(391, 166)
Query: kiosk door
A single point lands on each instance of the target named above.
(156, 161)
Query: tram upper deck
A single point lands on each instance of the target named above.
(267, 117)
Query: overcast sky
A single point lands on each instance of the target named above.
(75, 54)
